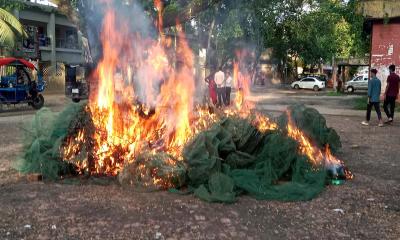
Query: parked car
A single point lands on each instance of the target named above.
(18, 85)
(309, 83)
(357, 83)
(321, 77)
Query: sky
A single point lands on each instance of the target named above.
(44, 2)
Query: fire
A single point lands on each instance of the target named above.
(317, 157)
(164, 119)
(264, 124)
(241, 78)
(143, 103)
(305, 146)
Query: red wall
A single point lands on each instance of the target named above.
(385, 48)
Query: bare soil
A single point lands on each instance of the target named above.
(367, 207)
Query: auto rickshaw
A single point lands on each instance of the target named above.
(18, 85)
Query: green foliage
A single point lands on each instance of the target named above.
(314, 30)
(360, 103)
(10, 29)
(10, 5)
(172, 8)
(310, 31)
(334, 94)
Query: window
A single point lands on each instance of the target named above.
(358, 79)
(8, 76)
(66, 37)
(308, 80)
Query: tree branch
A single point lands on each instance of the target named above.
(186, 13)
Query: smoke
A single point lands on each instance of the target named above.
(93, 12)
(142, 64)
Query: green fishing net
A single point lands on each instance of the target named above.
(220, 167)
(231, 158)
(313, 124)
(43, 137)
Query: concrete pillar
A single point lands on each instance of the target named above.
(51, 33)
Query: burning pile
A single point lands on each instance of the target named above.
(141, 124)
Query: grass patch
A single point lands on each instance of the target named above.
(361, 104)
(335, 94)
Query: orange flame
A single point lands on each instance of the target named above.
(143, 102)
(241, 80)
(317, 157)
(124, 129)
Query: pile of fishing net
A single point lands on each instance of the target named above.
(230, 158)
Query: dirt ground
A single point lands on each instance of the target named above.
(367, 207)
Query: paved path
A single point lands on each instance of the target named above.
(55, 102)
(322, 109)
(278, 100)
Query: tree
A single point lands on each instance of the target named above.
(10, 29)
(299, 31)
(312, 30)
(225, 28)
(173, 11)
(85, 14)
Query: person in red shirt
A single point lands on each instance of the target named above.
(391, 93)
(212, 89)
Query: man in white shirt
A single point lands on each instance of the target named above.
(228, 88)
(219, 79)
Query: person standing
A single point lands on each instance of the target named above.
(219, 79)
(228, 88)
(374, 92)
(212, 93)
(391, 93)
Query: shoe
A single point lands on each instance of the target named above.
(380, 125)
(365, 123)
(389, 121)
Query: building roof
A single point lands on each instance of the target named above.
(379, 9)
(40, 5)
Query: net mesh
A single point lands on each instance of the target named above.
(220, 166)
(231, 158)
(43, 137)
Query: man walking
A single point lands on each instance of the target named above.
(228, 88)
(374, 92)
(219, 79)
(391, 93)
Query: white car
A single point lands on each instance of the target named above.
(309, 83)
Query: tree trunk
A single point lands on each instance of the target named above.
(254, 68)
(210, 31)
(296, 74)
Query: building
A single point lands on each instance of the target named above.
(53, 40)
(383, 22)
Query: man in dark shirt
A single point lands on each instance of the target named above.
(391, 93)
